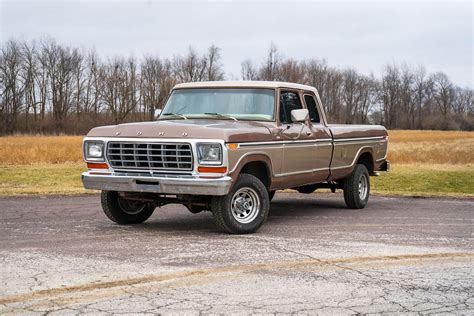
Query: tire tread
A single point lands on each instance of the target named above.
(219, 204)
(351, 188)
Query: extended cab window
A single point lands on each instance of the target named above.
(312, 108)
(288, 101)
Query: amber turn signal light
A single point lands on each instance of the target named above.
(97, 165)
(204, 169)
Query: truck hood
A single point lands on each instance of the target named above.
(227, 130)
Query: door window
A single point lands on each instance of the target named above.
(312, 108)
(288, 101)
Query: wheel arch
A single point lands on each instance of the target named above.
(258, 165)
(366, 158)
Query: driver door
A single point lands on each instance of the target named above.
(298, 151)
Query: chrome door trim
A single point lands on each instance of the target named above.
(359, 139)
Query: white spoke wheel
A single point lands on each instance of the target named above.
(357, 187)
(363, 187)
(245, 205)
(245, 208)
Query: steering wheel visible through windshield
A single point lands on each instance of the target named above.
(223, 103)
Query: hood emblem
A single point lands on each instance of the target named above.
(161, 134)
(139, 133)
(117, 133)
(185, 134)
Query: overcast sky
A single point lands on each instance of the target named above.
(363, 34)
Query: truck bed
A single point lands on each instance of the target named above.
(343, 131)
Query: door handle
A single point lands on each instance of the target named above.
(309, 133)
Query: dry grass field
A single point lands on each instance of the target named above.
(424, 163)
(431, 147)
(28, 150)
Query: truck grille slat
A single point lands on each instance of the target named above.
(150, 156)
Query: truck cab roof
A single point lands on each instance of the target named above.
(245, 84)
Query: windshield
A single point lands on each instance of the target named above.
(222, 103)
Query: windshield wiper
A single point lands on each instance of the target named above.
(175, 114)
(222, 115)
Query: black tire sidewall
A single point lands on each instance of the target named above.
(222, 206)
(114, 212)
(351, 188)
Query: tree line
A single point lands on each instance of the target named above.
(50, 88)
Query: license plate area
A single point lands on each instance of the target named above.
(145, 182)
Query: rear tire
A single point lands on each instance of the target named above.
(245, 208)
(357, 188)
(124, 211)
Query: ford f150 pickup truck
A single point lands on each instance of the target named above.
(226, 147)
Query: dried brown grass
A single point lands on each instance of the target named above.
(405, 147)
(431, 147)
(26, 150)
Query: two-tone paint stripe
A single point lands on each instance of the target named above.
(324, 141)
(280, 143)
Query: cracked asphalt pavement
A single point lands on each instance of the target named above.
(61, 255)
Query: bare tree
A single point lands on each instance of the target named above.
(269, 71)
(423, 91)
(443, 96)
(190, 67)
(248, 70)
(10, 68)
(291, 70)
(91, 100)
(118, 88)
(214, 66)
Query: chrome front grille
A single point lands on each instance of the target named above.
(150, 156)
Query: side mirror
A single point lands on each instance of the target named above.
(300, 115)
(157, 113)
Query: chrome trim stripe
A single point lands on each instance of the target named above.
(286, 142)
(357, 139)
(300, 172)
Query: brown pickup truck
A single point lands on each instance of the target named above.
(226, 147)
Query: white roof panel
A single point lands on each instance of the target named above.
(244, 84)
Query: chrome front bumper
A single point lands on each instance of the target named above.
(162, 185)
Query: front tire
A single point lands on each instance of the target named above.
(124, 211)
(357, 188)
(245, 208)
